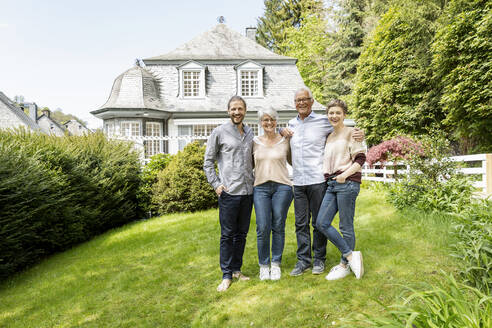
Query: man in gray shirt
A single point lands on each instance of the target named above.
(230, 145)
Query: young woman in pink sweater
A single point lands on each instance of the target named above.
(342, 164)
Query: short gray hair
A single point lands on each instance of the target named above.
(268, 111)
(304, 89)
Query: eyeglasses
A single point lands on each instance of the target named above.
(268, 120)
(300, 100)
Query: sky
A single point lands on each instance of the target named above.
(66, 54)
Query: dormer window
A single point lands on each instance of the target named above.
(250, 79)
(192, 80)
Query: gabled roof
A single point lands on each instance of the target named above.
(53, 121)
(18, 112)
(220, 43)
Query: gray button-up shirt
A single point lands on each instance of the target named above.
(307, 146)
(233, 153)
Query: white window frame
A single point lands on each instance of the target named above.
(109, 129)
(139, 133)
(192, 67)
(249, 66)
(153, 147)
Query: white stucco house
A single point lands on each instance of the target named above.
(182, 95)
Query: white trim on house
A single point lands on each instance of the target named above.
(249, 78)
(109, 129)
(131, 122)
(193, 72)
(152, 147)
(184, 121)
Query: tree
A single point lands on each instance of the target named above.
(279, 15)
(59, 116)
(347, 46)
(462, 55)
(309, 45)
(394, 92)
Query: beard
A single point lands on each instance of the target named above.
(237, 120)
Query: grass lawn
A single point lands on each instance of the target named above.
(163, 273)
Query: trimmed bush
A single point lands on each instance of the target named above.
(182, 185)
(57, 192)
(157, 163)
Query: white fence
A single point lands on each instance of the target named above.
(481, 168)
(479, 165)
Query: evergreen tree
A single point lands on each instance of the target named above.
(279, 15)
(347, 46)
(309, 45)
(394, 91)
(462, 60)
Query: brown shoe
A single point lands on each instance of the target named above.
(239, 275)
(224, 285)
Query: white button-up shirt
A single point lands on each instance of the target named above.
(308, 146)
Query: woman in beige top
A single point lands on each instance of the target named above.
(272, 193)
(342, 164)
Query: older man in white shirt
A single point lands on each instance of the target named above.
(308, 132)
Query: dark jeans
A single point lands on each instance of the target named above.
(307, 200)
(272, 201)
(234, 217)
(339, 197)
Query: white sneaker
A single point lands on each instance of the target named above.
(275, 272)
(264, 273)
(338, 272)
(356, 264)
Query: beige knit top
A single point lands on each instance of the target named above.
(340, 151)
(271, 161)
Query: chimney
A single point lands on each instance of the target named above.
(251, 33)
(33, 112)
(46, 112)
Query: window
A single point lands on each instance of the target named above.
(254, 127)
(249, 79)
(282, 125)
(130, 129)
(152, 147)
(198, 132)
(258, 130)
(184, 130)
(191, 84)
(249, 83)
(109, 129)
(192, 77)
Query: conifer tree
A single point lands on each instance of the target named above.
(279, 15)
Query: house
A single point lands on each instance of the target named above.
(12, 117)
(182, 95)
(76, 128)
(49, 125)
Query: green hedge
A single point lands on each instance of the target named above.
(56, 192)
(182, 185)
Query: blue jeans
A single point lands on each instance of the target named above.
(272, 201)
(339, 197)
(234, 216)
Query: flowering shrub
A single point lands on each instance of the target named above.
(394, 149)
(434, 182)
